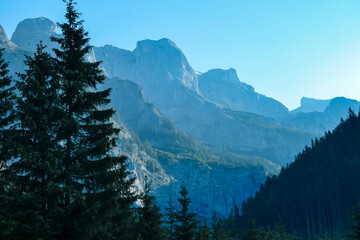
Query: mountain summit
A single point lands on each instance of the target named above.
(30, 31)
(224, 87)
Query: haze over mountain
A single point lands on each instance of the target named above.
(167, 79)
(211, 129)
(224, 87)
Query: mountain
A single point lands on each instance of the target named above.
(182, 158)
(172, 132)
(224, 87)
(4, 41)
(325, 120)
(12, 54)
(29, 32)
(316, 193)
(168, 81)
(157, 149)
(311, 105)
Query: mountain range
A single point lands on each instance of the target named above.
(210, 130)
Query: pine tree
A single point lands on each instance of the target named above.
(96, 185)
(150, 224)
(33, 174)
(7, 98)
(186, 224)
(170, 219)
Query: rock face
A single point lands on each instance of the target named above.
(159, 67)
(168, 81)
(328, 119)
(30, 31)
(212, 186)
(312, 105)
(224, 87)
(12, 54)
(164, 117)
(4, 41)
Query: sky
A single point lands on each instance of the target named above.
(285, 49)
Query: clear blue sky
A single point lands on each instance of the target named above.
(285, 49)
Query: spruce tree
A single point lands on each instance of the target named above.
(170, 219)
(150, 224)
(185, 228)
(34, 173)
(6, 118)
(96, 185)
(7, 98)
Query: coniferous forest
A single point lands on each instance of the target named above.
(59, 178)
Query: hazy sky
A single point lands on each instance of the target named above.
(285, 49)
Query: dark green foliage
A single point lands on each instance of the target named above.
(218, 231)
(278, 233)
(314, 194)
(170, 220)
(203, 232)
(150, 223)
(250, 232)
(6, 95)
(97, 197)
(34, 175)
(7, 98)
(356, 226)
(185, 220)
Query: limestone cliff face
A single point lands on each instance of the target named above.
(12, 54)
(168, 81)
(213, 186)
(4, 41)
(224, 87)
(30, 31)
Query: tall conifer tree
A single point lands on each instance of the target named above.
(7, 98)
(150, 224)
(97, 190)
(170, 220)
(185, 228)
(6, 118)
(34, 174)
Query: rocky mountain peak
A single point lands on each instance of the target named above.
(4, 41)
(222, 76)
(312, 105)
(30, 31)
(166, 59)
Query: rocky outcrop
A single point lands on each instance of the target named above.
(326, 120)
(224, 87)
(212, 185)
(4, 41)
(31, 31)
(168, 81)
(311, 105)
(12, 54)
